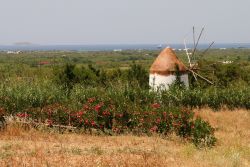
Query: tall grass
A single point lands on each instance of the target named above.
(18, 96)
(21, 95)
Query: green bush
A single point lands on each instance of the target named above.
(203, 134)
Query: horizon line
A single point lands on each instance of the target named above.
(103, 44)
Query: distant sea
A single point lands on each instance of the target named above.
(117, 47)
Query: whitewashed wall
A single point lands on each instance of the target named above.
(163, 82)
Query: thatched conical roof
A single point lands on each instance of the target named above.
(167, 63)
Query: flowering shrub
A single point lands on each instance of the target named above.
(105, 115)
(94, 114)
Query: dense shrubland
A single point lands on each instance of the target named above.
(119, 100)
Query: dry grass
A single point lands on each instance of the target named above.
(19, 147)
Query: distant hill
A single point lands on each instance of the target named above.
(23, 43)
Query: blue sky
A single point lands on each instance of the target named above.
(123, 21)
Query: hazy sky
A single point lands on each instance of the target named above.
(122, 21)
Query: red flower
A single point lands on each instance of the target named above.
(106, 113)
(158, 120)
(101, 126)
(97, 107)
(156, 105)
(93, 123)
(22, 115)
(86, 107)
(79, 114)
(154, 129)
(86, 122)
(91, 100)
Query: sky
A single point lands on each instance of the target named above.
(51, 22)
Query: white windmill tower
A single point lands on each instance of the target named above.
(163, 71)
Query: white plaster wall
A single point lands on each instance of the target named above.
(162, 82)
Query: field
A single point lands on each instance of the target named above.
(95, 109)
(31, 147)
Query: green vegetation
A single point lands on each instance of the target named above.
(109, 91)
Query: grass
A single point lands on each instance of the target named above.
(31, 147)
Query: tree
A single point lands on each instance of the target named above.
(137, 74)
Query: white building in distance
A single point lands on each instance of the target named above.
(163, 71)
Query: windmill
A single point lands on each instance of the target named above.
(167, 67)
(191, 56)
